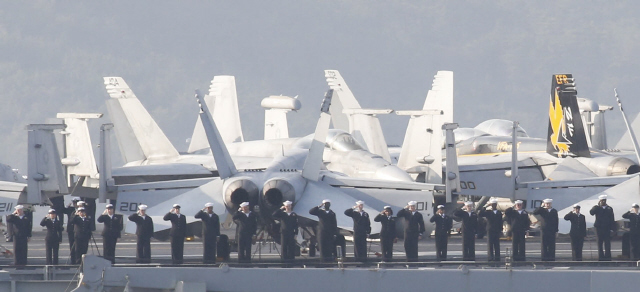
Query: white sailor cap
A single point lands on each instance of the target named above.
(518, 202)
(244, 204)
(635, 205)
(207, 205)
(412, 203)
(75, 199)
(440, 206)
(602, 197)
(51, 211)
(109, 206)
(547, 200)
(493, 201)
(19, 207)
(387, 207)
(176, 206)
(81, 203)
(287, 203)
(81, 209)
(576, 206)
(468, 203)
(142, 207)
(326, 201)
(360, 203)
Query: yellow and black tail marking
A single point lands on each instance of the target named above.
(566, 131)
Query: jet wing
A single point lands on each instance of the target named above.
(11, 187)
(344, 181)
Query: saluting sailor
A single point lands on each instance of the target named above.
(494, 229)
(210, 232)
(71, 213)
(288, 230)
(144, 232)
(387, 232)
(444, 224)
(634, 230)
(361, 229)
(52, 239)
(327, 229)
(111, 231)
(520, 223)
(21, 224)
(578, 232)
(549, 229)
(247, 226)
(605, 224)
(178, 232)
(413, 230)
(82, 232)
(469, 230)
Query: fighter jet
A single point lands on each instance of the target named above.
(296, 175)
(142, 142)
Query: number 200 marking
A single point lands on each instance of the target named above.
(128, 207)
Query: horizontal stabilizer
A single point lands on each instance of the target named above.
(570, 168)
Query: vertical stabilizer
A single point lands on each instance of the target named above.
(566, 135)
(362, 124)
(45, 176)
(452, 173)
(79, 160)
(313, 162)
(345, 100)
(223, 102)
(224, 164)
(138, 134)
(107, 189)
(422, 146)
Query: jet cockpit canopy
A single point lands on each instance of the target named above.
(498, 127)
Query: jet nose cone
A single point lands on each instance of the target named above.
(393, 173)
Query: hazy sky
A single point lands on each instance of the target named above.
(503, 53)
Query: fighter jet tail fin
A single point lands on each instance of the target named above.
(423, 141)
(223, 102)
(313, 162)
(363, 124)
(224, 164)
(566, 135)
(79, 158)
(45, 177)
(139, 137)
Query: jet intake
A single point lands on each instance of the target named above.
(238, 190)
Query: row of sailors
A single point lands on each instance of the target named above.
(80, 231)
